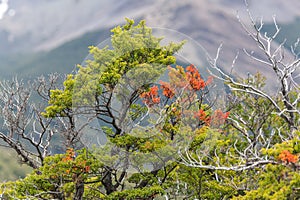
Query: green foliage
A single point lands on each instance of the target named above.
(143, 193)
(279, 180)
(276, 182)
(202, 184)
(177, 118)
(56, 178)
(132, 47)
(61, 101)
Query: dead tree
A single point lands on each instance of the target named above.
(284, 104)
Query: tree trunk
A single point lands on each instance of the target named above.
(79, 189)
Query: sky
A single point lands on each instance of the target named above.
(4, 9)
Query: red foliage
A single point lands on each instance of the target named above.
(70, 155)
(87, 168)
(151, 97)
(202, 116)
(194, 78)
(185, 82)
(288, 157)
(75, 165)
(167, 90)
(218, 118)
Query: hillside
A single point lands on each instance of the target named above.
(37, 40)
(62, 59)
(10, 169)
(289, 32)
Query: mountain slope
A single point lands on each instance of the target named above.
(38, 32)
(44, 24)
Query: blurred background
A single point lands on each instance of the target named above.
(44, 36)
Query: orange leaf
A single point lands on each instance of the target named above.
(288, 157)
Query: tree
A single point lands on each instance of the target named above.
(91, 91)
(125, 74)
(266, 125)
(184, 115)
(24, 129)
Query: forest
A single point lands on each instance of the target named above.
(134, 122)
